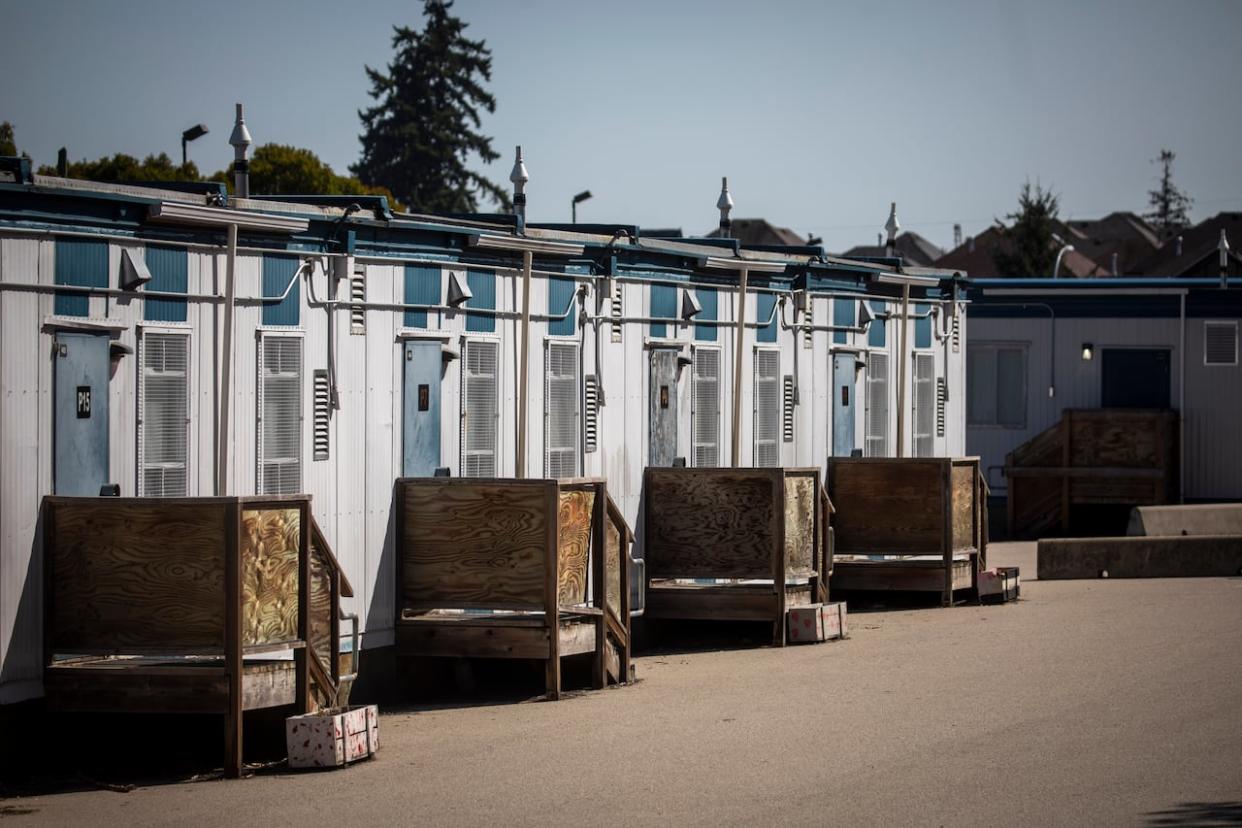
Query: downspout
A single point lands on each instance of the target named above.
(226, 366)
(523, 366)
(901, 370)
(738, 341)
(1181, 406)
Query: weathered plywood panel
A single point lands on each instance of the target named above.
(887, 507)
(963, 506)
(1119, 439)
(321, 610)
(574, 512)
(710, 523)
(141, 575)
(270, 540)
(800, 491)
(612, 540)
(474, 544)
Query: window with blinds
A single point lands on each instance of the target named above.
(163, 414)
(478, 418)
(705, 408)
(1220, 343)
(767, 408)
(876, 404)
(924, 418)
(280, 415)
(560, 410)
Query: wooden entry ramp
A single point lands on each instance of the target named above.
(187, 605)
(735, 544)
(908, 524)
(531, 569)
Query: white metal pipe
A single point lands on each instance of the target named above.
(523, 392)
(226, 367)
(1181, 407)
(739, 338)
(901, 370)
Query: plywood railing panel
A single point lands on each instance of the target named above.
(468, 543)
(800, 505)
(709, 523)
(574, 511)
(136, 575)
(965, 506)
(270, 543)
(887, 506)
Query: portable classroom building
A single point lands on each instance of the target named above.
(1041, 346)
(357, 359)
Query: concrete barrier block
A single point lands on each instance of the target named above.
(1185, 556)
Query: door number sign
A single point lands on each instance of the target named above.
(84, 402)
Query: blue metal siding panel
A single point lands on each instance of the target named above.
(764, 303)
(560, 291)
(876, 334)
(169, 268)
(843, 313)
(277, 271)
(709, 299)
(422, 287)
(81, 263)
(663, 305)
(922, 327)
(482, 284)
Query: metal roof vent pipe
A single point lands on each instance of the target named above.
(891, 227)
(724, 204)
(519, 177)
(1223, 247)
(1177, 251)
(240, 139)
(1115, 273)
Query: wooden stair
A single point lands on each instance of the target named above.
(330, 685)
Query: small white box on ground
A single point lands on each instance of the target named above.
(996, 586)
(816, 622)
(333, 737)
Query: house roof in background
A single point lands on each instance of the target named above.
(751, 231)
(911, 247)
(1199, 256)
(1121, 232)
(976, 257)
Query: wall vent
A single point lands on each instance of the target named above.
(942, 394)
(614, 307)
(358, 295)
(1220, 343)
(323, 413)
(808, 335)
(590, 392)
(787, 423)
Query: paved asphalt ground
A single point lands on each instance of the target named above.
(1087, 703)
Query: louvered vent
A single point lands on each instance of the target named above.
(957, 330)
(942, 395)
(924, 405)
(280, 415)
(787, 422)
(808, 336)
(590, 393)
(767, 408)
(358, 295)
(1220, 343)
(323, 413)
(163, 411)
(877, 405)
(614, 307)
(705, 401)
(478, 419)
(560, 410)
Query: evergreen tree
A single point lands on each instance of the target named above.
(1029, 247)
(1170, 205)
(8, 144)
(424, 127)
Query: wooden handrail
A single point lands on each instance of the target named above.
(319, 674)
(320, 544)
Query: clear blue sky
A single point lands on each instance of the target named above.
(819, 113)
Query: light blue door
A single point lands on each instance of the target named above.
(421, 419)
(80, 464)
(843, 405)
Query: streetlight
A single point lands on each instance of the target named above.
(1065, 248)
(573, 205)
(192, 134)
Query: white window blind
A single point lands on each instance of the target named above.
(163, 411)
(280, 415)
(478, 379)
(924, 405)
(1220, 343)
(877, 405)
(705, 405)
(767, 408)
(560, 410)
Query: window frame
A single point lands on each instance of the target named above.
(184, 331)
(1025, 349)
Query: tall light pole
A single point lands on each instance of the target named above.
(578, 199)
(1065, 248)
(192, 134)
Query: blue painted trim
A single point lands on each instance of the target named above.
(709, 299)
(663, 305)
(277, 271)
(169, 268)
(82, 264)
(843, 313)
(764, 303)
(482, 284)
(560, 291)
(422, 287)
(922, 327)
